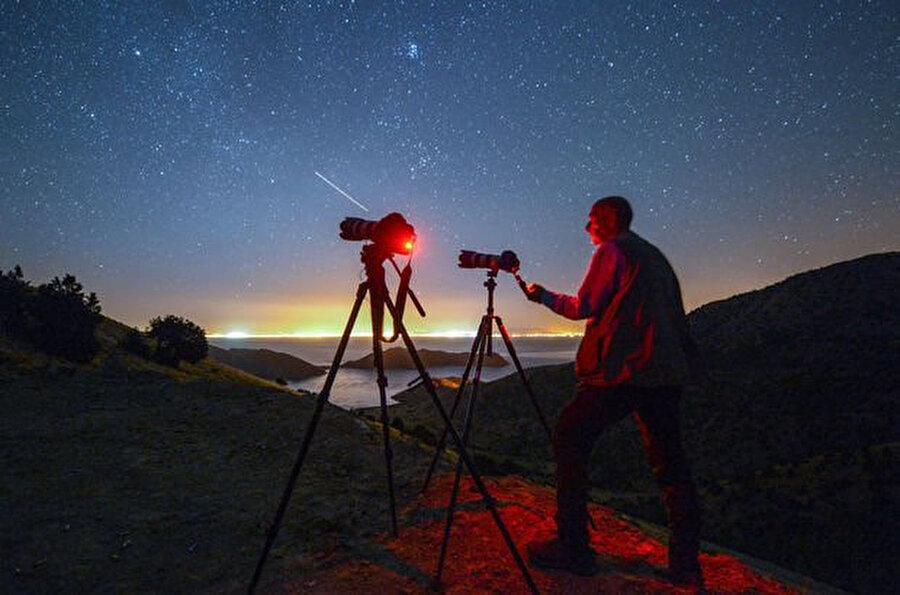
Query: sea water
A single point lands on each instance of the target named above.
(356, 388)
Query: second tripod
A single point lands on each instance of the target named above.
(482, 345)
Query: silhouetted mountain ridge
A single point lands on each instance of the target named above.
(810, 317)
(816, 352)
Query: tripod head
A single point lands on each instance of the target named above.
(373, 257)
(390, 235)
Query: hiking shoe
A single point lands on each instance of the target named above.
(551, 554)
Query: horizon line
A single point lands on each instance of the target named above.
(439, 335)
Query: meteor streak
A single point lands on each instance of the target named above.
(333, 185)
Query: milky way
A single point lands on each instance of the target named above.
(166, 152)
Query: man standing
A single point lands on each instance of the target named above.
(635, 357)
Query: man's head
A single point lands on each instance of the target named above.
(609, 217)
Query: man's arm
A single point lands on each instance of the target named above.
(599, 284)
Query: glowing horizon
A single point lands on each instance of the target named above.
(460, 334)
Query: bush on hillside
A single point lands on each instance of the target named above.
(177, 339)
(423, 434)
(14, 296)
(56, 317)
(137, 343)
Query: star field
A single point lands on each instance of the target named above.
(164, 153)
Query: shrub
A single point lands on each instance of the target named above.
(57, 317)
(15, 293)
(137, 343)
(423, 434)
(177, 339)
(397, 424)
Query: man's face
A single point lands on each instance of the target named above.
(594, 227)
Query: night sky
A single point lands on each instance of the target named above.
(166, 152)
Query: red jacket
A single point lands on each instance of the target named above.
(636, 330)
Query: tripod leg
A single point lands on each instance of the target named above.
(442, 443)
(463, 452)
(307, 438)
(470, 408)
(512, 353)
(378, 357)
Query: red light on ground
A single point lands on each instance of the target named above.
(633, 560)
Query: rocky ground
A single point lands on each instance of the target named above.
(631, 556)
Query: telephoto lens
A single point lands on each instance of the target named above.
(355, 229)
(505, 261)
(391, 233)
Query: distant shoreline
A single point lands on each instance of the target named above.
(454, 335)
(320, 351)
(356, 388)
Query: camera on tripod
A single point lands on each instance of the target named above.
(389, 236)
(505, 261)
(391, 233)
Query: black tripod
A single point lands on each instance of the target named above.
(373, 258)
(483, 343)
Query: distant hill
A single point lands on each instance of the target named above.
(836, 315)
(816, 356)
(266, 363)
(398, 357)
(795, 442)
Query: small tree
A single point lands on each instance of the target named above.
(397, 424)
(66, 319)
(15, 292)
(177, 339)
(56, 317)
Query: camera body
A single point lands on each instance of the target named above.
(391, 233)
(505, 261)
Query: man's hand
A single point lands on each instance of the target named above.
(534, 292)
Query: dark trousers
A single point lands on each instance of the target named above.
(655, 409)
